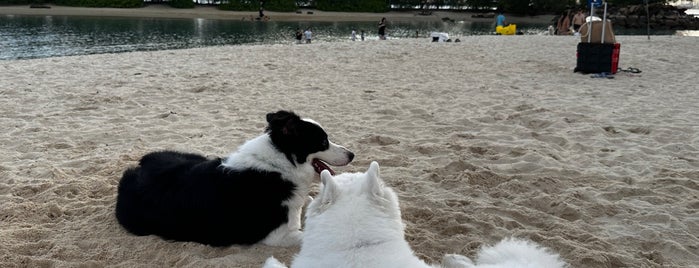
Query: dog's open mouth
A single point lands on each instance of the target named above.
(320, 166)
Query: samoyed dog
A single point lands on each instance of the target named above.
(355, 221)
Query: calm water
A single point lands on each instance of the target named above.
(26, 37)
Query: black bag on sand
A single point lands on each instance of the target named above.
(597, 58)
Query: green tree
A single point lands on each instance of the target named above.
(254, 5)
(280, 5)
(240, 5)
(634, 2)
(181, 3)
(353, 5)
(480, 4)
(101, 3)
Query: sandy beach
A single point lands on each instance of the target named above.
(484, 139)
(210, 12)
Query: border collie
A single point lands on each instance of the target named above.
(355, 221)
(256, 194)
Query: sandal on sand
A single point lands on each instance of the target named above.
(603, 75)
(630, 70)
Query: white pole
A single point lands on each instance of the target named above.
(647, 21)
(589, 23)
(604, 21)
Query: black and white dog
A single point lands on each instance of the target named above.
(255, 194)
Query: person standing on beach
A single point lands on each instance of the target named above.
(382, 29)
(299, 35)
(578, 20)
(308, 35)
(362, 35)
(353, 35)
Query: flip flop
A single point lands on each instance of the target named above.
(603, 75)
(634, 70)
(630, 70)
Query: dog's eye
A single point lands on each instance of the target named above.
(325, 144)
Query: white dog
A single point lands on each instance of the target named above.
(355, 221)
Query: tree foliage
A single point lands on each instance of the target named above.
(181, 3)
(15, 2)
(254, 5)
(100, 3)
(240, 5)
(280, 5)
(634, 2)
(353, 5)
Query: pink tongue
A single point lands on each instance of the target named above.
(320, 166)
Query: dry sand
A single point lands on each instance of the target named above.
(484, 139)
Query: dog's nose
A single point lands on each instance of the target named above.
(350, 155)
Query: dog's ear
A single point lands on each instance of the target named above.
(282, 121)
(373, 184)
(329, 191)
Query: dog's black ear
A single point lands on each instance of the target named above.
(279, 121)
(280, 115)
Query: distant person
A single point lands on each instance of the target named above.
(299, 35)
(382, 29)
(262, 12)
(563, 25)
(500, 19)
(362, 35)
(578, 20)
(308, 35)
(501, 25)
(353, 35)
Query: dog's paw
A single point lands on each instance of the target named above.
(456, 261)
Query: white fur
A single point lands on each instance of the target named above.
(260, 153)
(355, 221)
(516, 253)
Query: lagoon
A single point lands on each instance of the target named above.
(30, 36)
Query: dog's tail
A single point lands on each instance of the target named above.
(273, 263)
(508, 253)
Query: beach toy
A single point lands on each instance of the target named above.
(506, 30)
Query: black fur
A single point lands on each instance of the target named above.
(186, 197)
(293, 136)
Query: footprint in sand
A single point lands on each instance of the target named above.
(380, 140)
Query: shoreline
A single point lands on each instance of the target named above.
(211, 12)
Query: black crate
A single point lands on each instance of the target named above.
(597, 58)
